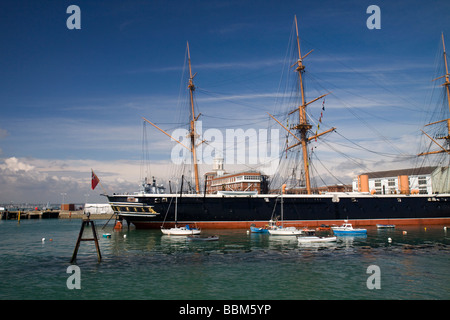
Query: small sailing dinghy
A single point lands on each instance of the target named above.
(282, 230)
(179, 231)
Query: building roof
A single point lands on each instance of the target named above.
(401, 172)
(231, 175)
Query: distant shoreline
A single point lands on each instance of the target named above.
(79, 214)
(63, 214)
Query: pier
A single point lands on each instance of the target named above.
(21, 215)
(50, 214)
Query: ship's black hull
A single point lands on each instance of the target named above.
(212, 211)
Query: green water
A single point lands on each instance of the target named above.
(148, 265)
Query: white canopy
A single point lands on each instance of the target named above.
(97, 208)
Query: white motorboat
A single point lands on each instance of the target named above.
(310, 236)
(347, 228)
(285, 231)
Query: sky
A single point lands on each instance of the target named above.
(72, 100)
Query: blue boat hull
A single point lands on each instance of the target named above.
(258, 230)
(349, 232)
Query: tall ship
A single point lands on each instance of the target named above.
(243, 199)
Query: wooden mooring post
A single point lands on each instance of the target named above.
(84, 224)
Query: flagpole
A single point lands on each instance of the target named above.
(104, 191)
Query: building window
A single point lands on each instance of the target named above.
(391, 182)
(251, 178)
(422, 180)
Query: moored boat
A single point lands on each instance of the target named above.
(282, 230)
(265, 229)
(385, 226)
(323, 227)
(180, 231)
(347, 229)
(310, 236)
(285, 231)
(254, 229)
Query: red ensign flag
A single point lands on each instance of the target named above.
(95, 180)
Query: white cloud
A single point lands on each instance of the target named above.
(13, 164)
(41, 180)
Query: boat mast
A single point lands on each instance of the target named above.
(446, 84)
(192, 133)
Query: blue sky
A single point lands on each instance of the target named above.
(72, 100)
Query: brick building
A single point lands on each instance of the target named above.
(219, 180)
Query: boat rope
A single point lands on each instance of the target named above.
(167, 211)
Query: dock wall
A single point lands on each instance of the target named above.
(61, 214)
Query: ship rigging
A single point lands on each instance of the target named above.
(193, 136)
(301, 132)
(240, 209)
(443, 147)
(303, 128)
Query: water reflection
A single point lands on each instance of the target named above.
(148, 264)
(239, 241)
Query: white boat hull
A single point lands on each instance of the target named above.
(314, 239)
(180, 231)
(289, 231)
(385, 226)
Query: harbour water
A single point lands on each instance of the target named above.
(144, 264)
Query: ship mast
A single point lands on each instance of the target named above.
(193, 135)
(447, 81)
(446, 84)
(303, 125)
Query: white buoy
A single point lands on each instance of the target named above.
(389, 240)
(124, 236)
(43, 239)
(445, 229)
